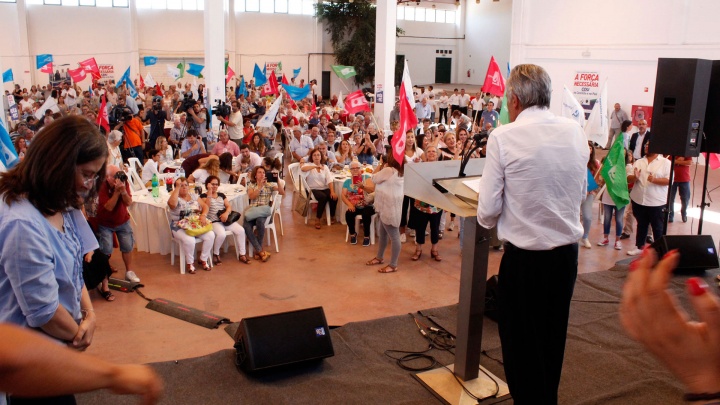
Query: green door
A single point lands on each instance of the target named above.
(443, 67)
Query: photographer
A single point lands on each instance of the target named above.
(157, 116)
(199, 121)
(133, 129)
(234, 123)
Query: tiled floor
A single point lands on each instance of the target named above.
(313, 268)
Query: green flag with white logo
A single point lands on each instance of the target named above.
(344, 72)
(613, 171)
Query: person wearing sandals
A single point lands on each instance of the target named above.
(217, 202)
(318, 178)
(182, 204)
(355, 198)
(388, 186)
(259, 193)
(424, 214)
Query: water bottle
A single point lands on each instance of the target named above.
(179, 173)
(155, 186)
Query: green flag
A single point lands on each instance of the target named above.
(504, 114)
(613, 171)
(181, 67)
(227, 62)
(344, 72)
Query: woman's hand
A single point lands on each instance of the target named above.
(351, 207)
(85, 332)
(224, 216)
(203, 219)
(88, 256)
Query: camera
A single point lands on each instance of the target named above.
(221, 109)
(187, 103)
(119, 114)
(120, 175)
(156, 103)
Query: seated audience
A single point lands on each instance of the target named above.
(217, 202)
(151, 167)
(182, 203)
(318, 178)
(209, 168)
(191, 146)
(358, 202)
(225, 145)
(260, 195)
(257, 145)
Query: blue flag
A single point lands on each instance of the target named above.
(194, 69)
(265, 69)
(7, 76)
(150, 60)
(241, 88)
(297, 93)
(42, 60)
(259, 76)
(296, 72)
(128, 83)
(8, 156)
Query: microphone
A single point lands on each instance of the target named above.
(481, 135)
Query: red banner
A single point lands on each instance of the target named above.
(91, 66)
(355, 102)
(494, 81)
(78, 74)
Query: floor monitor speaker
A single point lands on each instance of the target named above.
(268, 341)
(711, 141)
(681, 95)
(697, 252)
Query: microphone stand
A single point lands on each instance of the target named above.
(475, 145)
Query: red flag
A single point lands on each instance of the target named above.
(285, 80)
(356, 102)
(494, 80)
(273, 83)
(408, 121)
(158, 90)
(78, 74)
(91, 67)
(713, 161)
(102, 119)
(47, 68)
(229, 75)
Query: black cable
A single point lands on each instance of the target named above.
(137, 290)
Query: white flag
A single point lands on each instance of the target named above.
(269, 117)
(340, 103)
(49, 104)
(174, 72)
(571, 108)
(149, 81)
(596, 128)
(194, 88)
(408, 85)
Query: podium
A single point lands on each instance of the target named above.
(437, 183)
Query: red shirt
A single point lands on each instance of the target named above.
(119, 215)
(682, 172)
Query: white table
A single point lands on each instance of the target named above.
(149, 223)
(338, 180)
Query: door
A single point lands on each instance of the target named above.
(325, 91)
(443, 69)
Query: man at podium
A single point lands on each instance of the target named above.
(535, 178)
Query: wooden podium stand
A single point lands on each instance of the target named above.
(424, 182)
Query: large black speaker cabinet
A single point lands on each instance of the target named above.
(697, 252)
(268, 341)
(711, 141)
(681, 94)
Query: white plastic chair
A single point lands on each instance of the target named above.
(294, 169)
(358, 219)
(181, 253)
(241, 177)
(312, 200)
(134, 164)
(270, 225)
(277, 201)
(136, 183)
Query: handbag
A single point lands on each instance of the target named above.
(233, 217)
(300, 203)
(191, 225)
(253, 213)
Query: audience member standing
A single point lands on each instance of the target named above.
(617, 117)
(681, 181)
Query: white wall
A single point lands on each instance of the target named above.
(487, 34)
(419, 43)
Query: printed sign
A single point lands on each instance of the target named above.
(107, 71)
(586, 88)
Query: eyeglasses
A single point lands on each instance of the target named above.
(89, 181)
(215, 184)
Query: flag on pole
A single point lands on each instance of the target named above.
(91, 66)
(47, 68)
(90, 90)
(102, 118)
(195, 69)
(128, 83)
(571, 108)
(8, 157)
(7, 76)
(229, 74)
(173, 72)
(613, 171)
(150, 60)
(273, 83)
(494, 81)
(141, 82)
(344, 72)
(296, 72)
(259, 76)
(158, 90)
(356, 102)
(408, 119)
(181, 70)
(340, 103)
(241, 89)
(265, 69)
(596, 128)
(149, 80)
(408, 85)
(504, 117)
(43, 60)
(284, 80)
(269, 118)
(49, 104)
(78, 74)
(297, 93)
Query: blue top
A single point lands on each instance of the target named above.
(40, 267)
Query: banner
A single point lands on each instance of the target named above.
(150, 60)
(296, 72)
(259, 76)
(91, 67)
(596, 127)
(107, 71)
(297, 93)
(586, 89)
(274, 66)
(8, 156)
(571, 108)
(269, 118)
(14, 109)
(344, 72)
(49, 104)
(356, 102)
(7, 76)
(43, 60)
(195, 69)
(494, 80)
(78, 74)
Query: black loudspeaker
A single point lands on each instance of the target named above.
(697, 252)
(268, 341)
(681, 94)
(491, 298)
(711, 141)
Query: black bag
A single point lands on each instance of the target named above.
(233, 217)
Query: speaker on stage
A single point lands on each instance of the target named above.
(268, 341)
(697, 252)
(681, 95)
(711, 141)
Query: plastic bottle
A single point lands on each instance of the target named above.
(155, 186)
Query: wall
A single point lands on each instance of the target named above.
(487, 32)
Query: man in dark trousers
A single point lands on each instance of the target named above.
(535, 178)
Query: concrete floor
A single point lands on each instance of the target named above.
(313, 268)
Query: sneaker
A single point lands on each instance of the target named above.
(649, 239)
(624, 236)
(452, 226)
(403, 238)
(618, 245)
(585, 243)
(634, 252)
(131, 276)
(604, 242)
(440, 235)
(366, 241)
(412, 233)
(353, 239)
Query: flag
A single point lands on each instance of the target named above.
(504, 113)
(8, 157)
(229, 74)
(47, 68)
(269, 118)
(150, 60)
(284, 80)
(273, 84)
(355, 102)
(713, 161)
(142, 82)
(90, 90)
(279, 67)
(596, 128)
(296, 72)
(195, 69)
(340, 103)
(259, 76)
(408, 85)
(7, 76)
(265, 69)
(571, 108)
(297, 93)
(150, 81)
(174, 72)
(91, 66)
(128, 83)
(181, 70)
(43, 60)
(49, 104)
(494, 81)
(158, 90)
(344, 72)
(613, 171)
(102, 119)
(78, 74)
(241, 89)
(194, 88)
(408, 119)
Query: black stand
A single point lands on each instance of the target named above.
(703, 204)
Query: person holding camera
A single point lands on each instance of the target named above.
(199, 121)
(157, 116)
(234, 123)
(133, 129)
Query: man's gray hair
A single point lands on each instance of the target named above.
(114, 136)
(531, 85)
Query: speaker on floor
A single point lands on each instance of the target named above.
(697, 252)
(269, 341)
(491, 298)
(681, 95)
(711, 141)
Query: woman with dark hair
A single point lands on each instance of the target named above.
(624, 129)
(218, 202)
(45, 236)
(260, 193)
(20, 147)
(593, 167)
(257, 145)
(226, 173)
(318, 178)
(388, 187)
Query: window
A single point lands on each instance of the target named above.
(430, 15)
(159, 4)
(8, 1)
(267, 6)
(239, 6)
(143, 3)
(73, 3)
(52, 2)
(90, 3)
(410, 13)
(309, 7)
(281, 6)
(419, 14)
(294, 6)
(174, 4)
(440, 16)
(252, 5)
(189, 5)
(401, 13)
(121, 3)
(450, 17)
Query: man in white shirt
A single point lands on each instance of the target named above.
(300, 145)
(255, 159)
(422, 110)
(26, 104)
(234, 123)
(69, 94)
(533, 182)
(477, 106)
(617, 116)
(454, 101)
(463, 101)
(651, 176)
